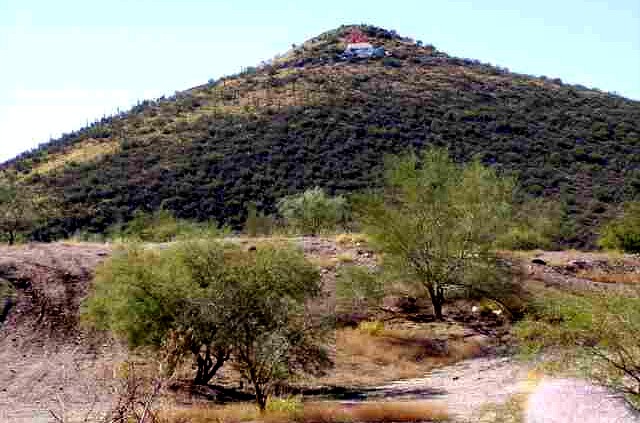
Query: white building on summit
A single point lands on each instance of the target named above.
(358, 46)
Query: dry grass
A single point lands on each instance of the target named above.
(350, 239)
(346, 258)
(216, 414)
(89, 150)
(365, 358)
(374, 412)
(606, 277)
(324, 262)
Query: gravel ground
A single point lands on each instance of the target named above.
(469, 386)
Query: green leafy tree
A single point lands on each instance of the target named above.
(623, 233)
(313, 211)
(274, 337)
(595, 334)
(217, 302)
(436, 223)
(161, 299)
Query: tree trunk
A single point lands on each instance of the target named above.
(261, 397)
(437, 309)
(436, 295)
(207, 368)
(12, 238)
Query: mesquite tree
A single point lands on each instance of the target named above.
(436, 223)
(217, 302)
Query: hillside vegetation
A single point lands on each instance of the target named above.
(310, 118)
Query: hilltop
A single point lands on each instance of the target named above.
(315, 117)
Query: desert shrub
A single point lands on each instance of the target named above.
(22, 208)
(163, 226)
(596, 331)
(392, 62)
(313, 211)
(289, 405)
(358, 290)
(258, 223)
(374, 328)
(522, 238)
(623, 233)
(436, 224)
(537, 224)
(351, 239)
(216, 302)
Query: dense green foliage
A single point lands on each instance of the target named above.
(215, 301)
(303, 122)
(358, 290)
(313, 211)
(623, 233)
(592, 333)
(22, 208)
(436, 223)
(537, 224)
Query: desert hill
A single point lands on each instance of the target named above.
(317, 117)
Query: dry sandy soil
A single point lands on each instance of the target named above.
(46, 361)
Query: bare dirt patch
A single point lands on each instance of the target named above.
(47, 361)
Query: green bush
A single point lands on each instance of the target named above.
(313, 211)
(537, 224)
(163, 226)
(217, 302)
(623, 233)
(289, 405)
(374, 328)
(258, 224)
(523, 239)
(358, 290)
(392, 62)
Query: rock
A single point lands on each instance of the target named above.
(539, 261)
(580, 264)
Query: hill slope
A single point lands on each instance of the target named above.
(311, 118)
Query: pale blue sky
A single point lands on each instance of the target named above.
(65, 62)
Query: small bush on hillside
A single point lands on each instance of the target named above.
(258, 224)
(22, 208)
(392, 62)
(597, 331)
(313, 211)
(537, 224)
(163, 226)
(623, 233)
